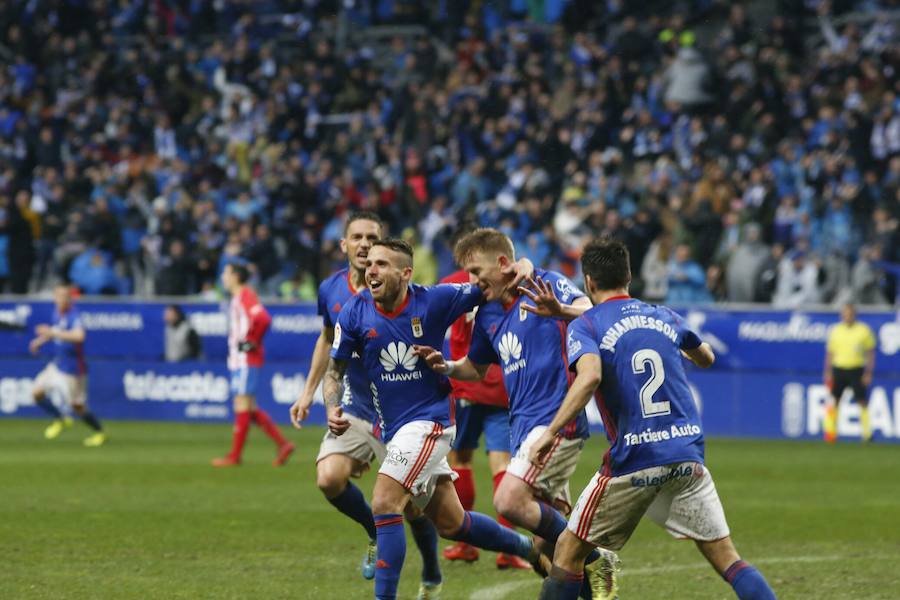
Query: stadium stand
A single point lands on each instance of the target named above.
(144, 144)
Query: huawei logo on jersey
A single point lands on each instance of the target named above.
(395, 355)
(510, 350)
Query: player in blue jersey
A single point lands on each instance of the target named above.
(630, 353)
(525, 334)
(381, 325)
(65, 377)
(351, 454)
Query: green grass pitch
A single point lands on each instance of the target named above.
(146, 517)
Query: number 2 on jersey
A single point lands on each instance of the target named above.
(639, 362)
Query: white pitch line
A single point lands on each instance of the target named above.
(501, 590)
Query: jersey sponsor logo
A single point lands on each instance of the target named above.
(655, 436)
(510, 350)
(395, 457)
(626, 324)
(889, 338)
(398, 354)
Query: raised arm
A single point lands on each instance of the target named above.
(461, 370)
(300, 408)
(587, 378)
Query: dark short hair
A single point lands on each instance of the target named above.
(484, 239)
(606, 262)
(363, 215)
(240, 271)
(397, 245)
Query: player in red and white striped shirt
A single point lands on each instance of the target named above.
(248, 322)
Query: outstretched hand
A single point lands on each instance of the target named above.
(433, 358)
(520, 270)
(546, 304)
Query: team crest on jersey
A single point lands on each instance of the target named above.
(336, 308)
(417, 327)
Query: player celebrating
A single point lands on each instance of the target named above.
(849, 363)
(66, 374)
(247, 324)
(381, 325)
(511, 330)
(481, 407)
(632, 352)
(352, 453)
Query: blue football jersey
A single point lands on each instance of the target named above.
(404, 388)
(334, 293)
(531, 353)
(68, 356)
(647, 407)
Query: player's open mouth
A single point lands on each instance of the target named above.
(374, 284)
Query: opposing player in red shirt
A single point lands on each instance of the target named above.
(248, 322)
(481, 407)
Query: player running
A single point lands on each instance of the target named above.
(381, 325)
(66, 374)
(351, 454)
(512, 330)
(481, 407)
(630, 353)
(248, 322)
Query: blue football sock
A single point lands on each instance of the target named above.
(352, 503)
(49, 408)
(552, 523)
(91, 421)
(426, 538)
(747, 582)
(484, 532)
(391, 554)
(561, 585)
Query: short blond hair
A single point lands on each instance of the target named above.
(486, 240)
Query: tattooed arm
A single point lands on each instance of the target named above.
(332, 390)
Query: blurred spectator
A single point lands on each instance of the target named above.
(301, 286)
(4, 248)
(93, 274)
(867, 281)
(745, 266)
(686, 280)
(797, 282)
(655, 268)
(181, 340)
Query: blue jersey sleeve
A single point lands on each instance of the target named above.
(580, 340)
(481, 352)
(565, 291)
(456, 299)
(323, 305)
(346, 333)
(688, 339)
(75, 321)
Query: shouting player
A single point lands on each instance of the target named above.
(248, 322)
(381, 325)
(481, 407)
(351, 454)
(514, 331)
(631, 354)
(66, 374)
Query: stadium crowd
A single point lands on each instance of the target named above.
(144, 144)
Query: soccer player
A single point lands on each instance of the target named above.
(66, 374)
(351, 454)
(481, 407)
(514, 331)
(631, 354)
(247, 324)
(381, 325)
(849, 363)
